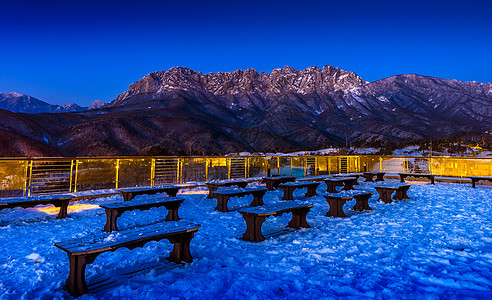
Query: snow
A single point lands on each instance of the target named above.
(438, 244)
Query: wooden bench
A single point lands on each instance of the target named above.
(255, 216)
(214, 185)
(475, 179)
(416, 175)
(83, 251)
(274, 181)
(346, 182)
(130, 193)
(224, 195)
(58, 200)
(115, 210)
(356, 175)
(337, 202)
(386, 191)
(370, 175)
(314, 178)
(289, 188)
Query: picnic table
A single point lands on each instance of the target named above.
(337, 202)
(83, 251)
(274, 181)
(370, 175)
(314, 178)
(475, 179)
(115, 210)
(255, 216)
(58, 200)
(214, 185)
(386, 191)
(346, 182)
(417, 175)
(223, 195)
(289, 187)
(130, 193)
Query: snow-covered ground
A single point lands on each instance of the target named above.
(436, 245)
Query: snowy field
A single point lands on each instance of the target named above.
(436, 245)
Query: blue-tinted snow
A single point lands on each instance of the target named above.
(438, 243)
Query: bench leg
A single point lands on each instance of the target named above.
(63, 213)
(75, 283)
(385, 196)
(269, 185)
(211, 190)
(172, 213)
(401, 193)
(379, 177)
(111, 216)
(258, 199)
(347, 186)
(402, 178)
(181, 248)
(331, 187)
(368, 178)
(222, 203)
(336, 208)
(253, 228)
(432, 181)
(311, 192)
(362, 202)
(172, 193)
(473, 183)
(288, 191)
(299, 219)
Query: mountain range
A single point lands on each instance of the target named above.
(21, 103)
(181, 111)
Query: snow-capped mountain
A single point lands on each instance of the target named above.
(181, 111)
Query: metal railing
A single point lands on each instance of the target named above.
(25, 176)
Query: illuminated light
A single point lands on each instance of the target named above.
(51, 210)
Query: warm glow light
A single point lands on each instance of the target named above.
(51, 210)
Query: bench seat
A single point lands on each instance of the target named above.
(476, 179)
(273, 182)
(224, 194)
(115, 210)
(417, 175)
(83, 251)
(58, 200)
(130, 193)
(255, 216)
(289, 188)
(216, 184)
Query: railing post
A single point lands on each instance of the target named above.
(206, 168)
(152, 172)
(76, 175)
(28, 188)
(117, 173)
(71, 176)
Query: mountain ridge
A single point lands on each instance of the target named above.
(181, 111)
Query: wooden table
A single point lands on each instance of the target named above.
(386, 191)
(255, 216)
(346, 182)
(475, 179)
(289, 187)
(115, 210)
(336, 202)
(214, 185)
(370, 175)
(428, 176)
(274, 181)
(130, 193)
(224, 195)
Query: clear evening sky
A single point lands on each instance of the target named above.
(79, 51)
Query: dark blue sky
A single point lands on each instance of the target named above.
(80, 51)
